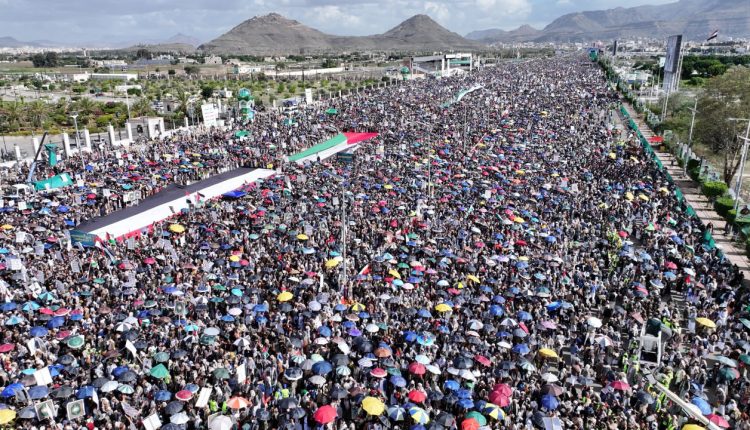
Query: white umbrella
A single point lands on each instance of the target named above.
(109, 386)
(550, 378)
(242, 342)
(317, 380)
(179, 418)
(222, 422)
(433, 369)
(604, 341)
(504, 344)
(594, 322)
(321, 341)
(372, 328)
(211, 331)
(123, 326)
(234, 311)
(343, 347)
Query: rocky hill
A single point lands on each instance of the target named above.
(694, 19)
(275, 34)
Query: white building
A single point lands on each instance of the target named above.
(114, 76)
(213, 59)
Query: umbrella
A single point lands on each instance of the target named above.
(419, 415)
(179, 418)
(184, 395)
(109, 386)
(548, 353)
(174, 407)
(238, 403)
(470, 424)
(161, 357)
(550, 402)
(162, 396)
(62, 392)
(620, 385)
(718, 420)
(38, 392)
(222, 422)
(6, 416)
(417, 396)
(477, 416)
(553, 389)
(702, 404)
(494, 411)
(373, 406)
(325, 414)
(705, 322)
(159, 371)
(85, 392)
(396, 413)
(220, 373)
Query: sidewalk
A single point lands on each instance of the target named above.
(735, 253)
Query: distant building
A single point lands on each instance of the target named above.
(213, 59)
(114, 76)
(246, 69)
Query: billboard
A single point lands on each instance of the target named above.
(210, 114)
(672, 63)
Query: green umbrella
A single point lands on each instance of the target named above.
(207, 340)
(745, 322)
(125, 389)
(75, 342)
(729, 374)
(332, 111)
(159, 371)
(477, 416)
(161, 357)
(403, 265)
(219, 287)
(220, 373)
(745, 358)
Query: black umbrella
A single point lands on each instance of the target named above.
(141, 344)
(435, 396)
(288, 403)
(340, 360)
(128, 376)
(463, 363)
(298, 413)
(62, 392)
(176, 355)
(174, 407)
(293, 373)
(644, 397)
(445, 419)
(66, 360)
(27, 413)
(338, 393)
(130, 335)
(99, 382)
(538, 419)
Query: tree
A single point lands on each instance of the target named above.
(726, 96)
(171, 72)
(143, 53)
(192, 70)
(46, 59)
(37, 112)
(207, 91)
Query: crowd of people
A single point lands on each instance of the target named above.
(513, 260)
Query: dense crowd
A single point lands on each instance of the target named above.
(493, 263)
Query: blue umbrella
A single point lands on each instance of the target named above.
(465, 403)
(14, 320)
(524, 316)
(117, 371)
(30, 306)
(496, 310)
(38, 331)
(398, 381)
(410, 336)
(702, 405)
(260, 308)
(162, 396)
(11, 390)
(56, 322)
(550, 402)
(85, 392)
(8, 306)
(324, 331)
(54, 370)
(452, 385)
(38, 392)
(322, 368)
(227, 318)
(463, 394)
(424, 313)
(340, 307)
(521, 348)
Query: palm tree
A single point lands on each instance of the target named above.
(12, 113)
(37, 112)
(142, 107)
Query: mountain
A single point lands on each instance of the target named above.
(694, 19)
(275, 34)
(182, 39)
(522, 33)
(9, 42)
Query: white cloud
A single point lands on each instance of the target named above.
(332, 14)
(507, 7)
(438, 11)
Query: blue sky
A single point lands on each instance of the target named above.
(76, 21)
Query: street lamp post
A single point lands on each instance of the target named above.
(745, 139)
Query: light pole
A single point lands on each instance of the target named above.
(127, 103)
(344, 227)
(429, 160)
(694, 109)
(78, 143)
(745, 139)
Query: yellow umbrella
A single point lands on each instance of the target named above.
(302, 236)
(7, 415)
(373, 406)
(520, 172)
(523, 258)
(394, 273)
(388, 187)
(519, 220)
(442, 307)
(473, 278)
(358, 307)
(705, 322)
(284, 296)
(643, 197)
(629, 196)
(7, 227)
(460, 286)
(548, 353)
(419, 415)
(333, 262)
(692, 427)
(664, 190)
(612, 155)
(234, 258)
(176, 228)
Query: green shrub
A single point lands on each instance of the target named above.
(723, 205)
(713, 189)
(731, 215)
(747, 246)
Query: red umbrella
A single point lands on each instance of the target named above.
(499, 399)
(670, 265)
(417, 396)
(417, 368)
(91, 196)
(378, 372)
(623, 234)
(620, 385)
(325, 414)
(184, 395)
(149, 260)
(484, 361)
(503, 389)
(470, 424)
(7, 347)
(718, 420)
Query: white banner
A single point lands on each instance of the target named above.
(203, 397)
(241, 374)
(42, 376)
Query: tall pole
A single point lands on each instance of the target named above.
(690, 135)
(127, 103)
(78, 143)
(742, 162)
(344, 226)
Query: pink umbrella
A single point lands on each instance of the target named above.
(149, 260)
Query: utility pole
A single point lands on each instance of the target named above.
(78, 144)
